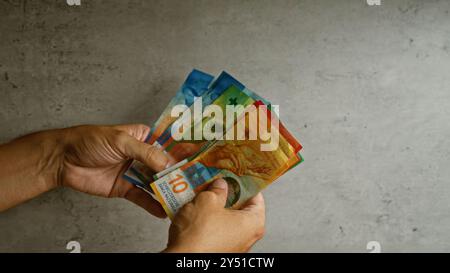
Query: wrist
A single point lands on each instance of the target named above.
(52, 146)
(30, 165)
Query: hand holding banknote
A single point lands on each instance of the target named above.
(95, 157)
(91, 159)
(205, 225)
(209, 215)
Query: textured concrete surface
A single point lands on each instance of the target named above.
(366, 90)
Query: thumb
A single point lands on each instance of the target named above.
(220, 188)
(151, 156)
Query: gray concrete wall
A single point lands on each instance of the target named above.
(365, 89)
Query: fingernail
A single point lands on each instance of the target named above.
(220, 184)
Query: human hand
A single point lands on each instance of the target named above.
(204, 225)
(95, 157)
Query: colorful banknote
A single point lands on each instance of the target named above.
(198, 160)
(189, 145)
(196, 85)
(219, 93)
(241, 163)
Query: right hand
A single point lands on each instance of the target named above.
(205, 225)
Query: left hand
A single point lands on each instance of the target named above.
(95, 157)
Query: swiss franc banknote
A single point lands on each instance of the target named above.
(196, 85)
(246, 168)
(222, 91)
(185, 148)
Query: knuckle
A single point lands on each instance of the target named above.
(186, 210)
(185, 215)
(207, 196)
(187, 207)
(144, 127)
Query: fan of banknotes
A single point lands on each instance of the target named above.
(248, 164)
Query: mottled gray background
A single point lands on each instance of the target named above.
(365, 89)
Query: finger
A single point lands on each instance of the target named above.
(220, 188)
(144, 200)
(141, 133)
(151, 156)
(138, 131)
(255, 205)
(256, 215)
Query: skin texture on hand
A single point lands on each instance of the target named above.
(205, 225)
(92, 159)
(95, 158)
